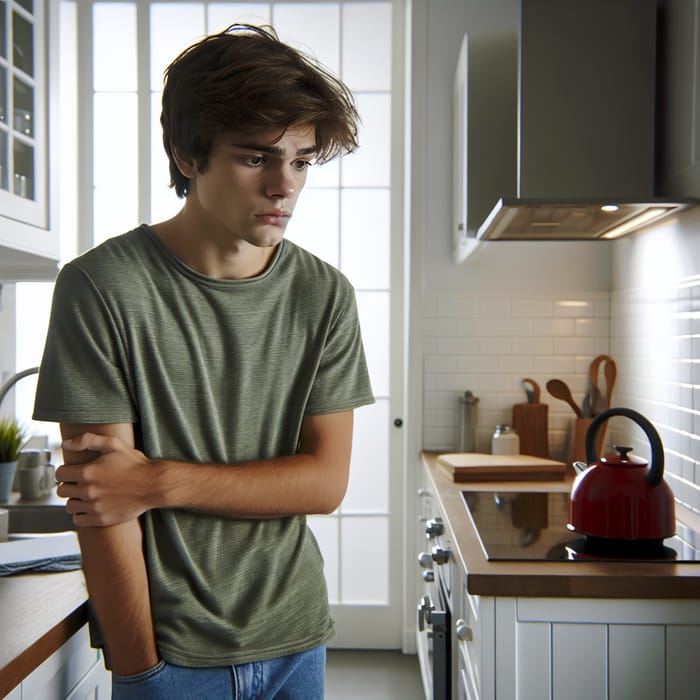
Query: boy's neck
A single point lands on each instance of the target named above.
(210, 257)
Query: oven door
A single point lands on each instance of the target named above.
(433, 640)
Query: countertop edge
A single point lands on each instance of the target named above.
(551, 579)
(38, 614)
(32, 657)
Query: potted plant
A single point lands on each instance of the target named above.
(12, 440)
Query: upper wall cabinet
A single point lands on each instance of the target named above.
(679, 98)
(29, 245)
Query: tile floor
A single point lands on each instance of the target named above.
(372, 675)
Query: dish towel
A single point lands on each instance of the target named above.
(51, 553)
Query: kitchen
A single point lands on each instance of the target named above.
(532, 309)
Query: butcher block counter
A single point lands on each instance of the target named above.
(39, 613)
(595, 579)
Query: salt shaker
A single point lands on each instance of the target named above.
(505, 441)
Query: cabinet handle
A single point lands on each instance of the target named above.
(463, 631)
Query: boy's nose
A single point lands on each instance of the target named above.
(281, 185)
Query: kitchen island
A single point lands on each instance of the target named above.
(538, 629)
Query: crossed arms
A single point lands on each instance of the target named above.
(109, 484)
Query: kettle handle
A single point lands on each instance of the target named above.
(656, 469)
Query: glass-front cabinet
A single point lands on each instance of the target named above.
(28, 240)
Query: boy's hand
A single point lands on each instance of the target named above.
(112, 487)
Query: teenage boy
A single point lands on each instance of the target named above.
(204, 372)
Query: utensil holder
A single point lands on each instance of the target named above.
(577, 443)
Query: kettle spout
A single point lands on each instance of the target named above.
(580, 467)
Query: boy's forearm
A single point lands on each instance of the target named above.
(115, 571)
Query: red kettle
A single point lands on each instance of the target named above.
(618, 497)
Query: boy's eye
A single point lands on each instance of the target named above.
(254, 160)
(302, 164)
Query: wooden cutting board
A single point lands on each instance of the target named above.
(475, 466)
(530, 422)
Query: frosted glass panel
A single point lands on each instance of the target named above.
(367, 63)
(373, 308)
(364, 569)
(222, 15)
(312, 27)
(116, 143)
(114, 46)
(164, 202)
(369, 165)
(115, 212)
(368, 489)
(365, 226)
(314, 224)
(325, 529)
(174, 26)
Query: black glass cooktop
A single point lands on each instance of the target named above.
(531, 525)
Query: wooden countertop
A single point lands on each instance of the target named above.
(38, 614)
(599, 579)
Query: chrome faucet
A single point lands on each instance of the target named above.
(5, 388)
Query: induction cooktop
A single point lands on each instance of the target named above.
(532, 526)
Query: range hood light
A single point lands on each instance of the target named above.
(609, 207)
(636, 221)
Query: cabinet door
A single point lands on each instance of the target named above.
(636, 663)
(579, 661)
(63, 670)
(23, 143)
(680, 118)
(683, 642)
(96, 685)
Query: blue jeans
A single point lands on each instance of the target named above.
(294, 677)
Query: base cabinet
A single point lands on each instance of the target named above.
(576, 649)
(74, 672)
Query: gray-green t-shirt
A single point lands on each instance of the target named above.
(218, 371)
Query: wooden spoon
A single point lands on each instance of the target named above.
(610, 372)
(560, 390)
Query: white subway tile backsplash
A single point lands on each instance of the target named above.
(658, 331)
(489, 346)
(532, 308)
(574, 308)
(555, 327)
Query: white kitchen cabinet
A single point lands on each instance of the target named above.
(679, 152)
(29, 245)
(74, 672)
(577, 649)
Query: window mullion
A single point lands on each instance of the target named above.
(143, 29)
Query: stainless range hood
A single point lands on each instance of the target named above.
(585, 123)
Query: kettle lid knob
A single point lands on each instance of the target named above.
(622, 451)
(656, 470)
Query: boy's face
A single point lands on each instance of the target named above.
(250, 188)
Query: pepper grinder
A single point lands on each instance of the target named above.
(467, 422)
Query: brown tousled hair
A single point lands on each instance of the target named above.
(245, 79)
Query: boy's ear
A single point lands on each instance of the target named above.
(185, 165)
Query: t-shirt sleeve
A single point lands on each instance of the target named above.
(81, 377)
(342, 380)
